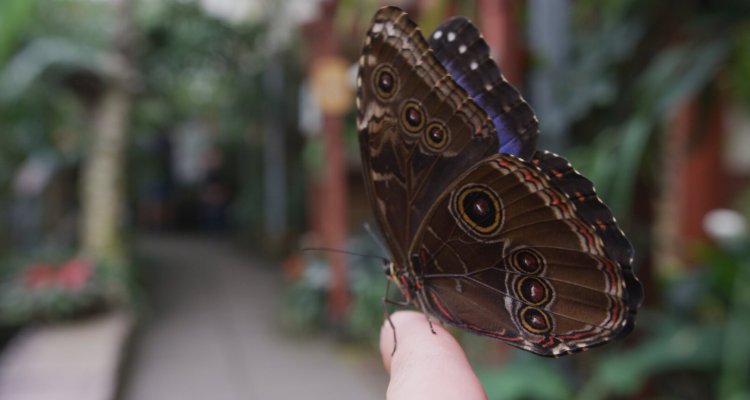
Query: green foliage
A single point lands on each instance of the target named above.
(738, 82)
(305, 299)
(42, 51)
(195, 65)
(61, 38)
(368, 286)
(526, 379)
(15, 18)
(44, 54)
(625, 82)
(190, 66)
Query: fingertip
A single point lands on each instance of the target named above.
(425, 364)
(403, 328)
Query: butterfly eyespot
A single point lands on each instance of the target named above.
(478, 210)
(385, 81)
(412, 116)
(436, 136)
(535, 320)
(527, 261)
(533, 291)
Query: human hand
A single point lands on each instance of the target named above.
(426, 365)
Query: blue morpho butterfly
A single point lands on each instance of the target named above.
(486, 233)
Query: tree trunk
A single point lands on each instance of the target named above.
(102, 189)
(102, 183)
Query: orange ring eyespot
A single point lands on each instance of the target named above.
(528, 261)
(436, 136)
(533, 290)
(479, 210)
(385, 82)
(412, 116)
(535, 320)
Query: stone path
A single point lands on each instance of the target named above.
(65, 361)
(211, 334)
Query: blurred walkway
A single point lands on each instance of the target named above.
(75, 360)
(211, 334)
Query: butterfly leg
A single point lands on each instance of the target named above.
(393, 327)
(386, 302)
(426, 313)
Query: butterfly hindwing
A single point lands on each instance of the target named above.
(506, 253)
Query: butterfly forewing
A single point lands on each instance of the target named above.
(460, 48)
(418, 129)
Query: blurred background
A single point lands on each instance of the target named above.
(163, 163)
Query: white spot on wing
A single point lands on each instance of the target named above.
(462, 49)
(438, 34)
(376, 28)
(390, 28)
(473, 65)
(451, 36)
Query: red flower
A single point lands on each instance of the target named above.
(39, 276)
(75, 273)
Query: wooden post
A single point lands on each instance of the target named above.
(691, 178)
(330, 201)
(333, 209)
(498, 22)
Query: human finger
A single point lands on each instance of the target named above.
(426, 365)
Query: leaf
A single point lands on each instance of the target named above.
(679, 73)
(633, 140)
(41, 54)
(674, 347)
(526, 378)
(15, 17)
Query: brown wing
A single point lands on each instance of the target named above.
(528, 255)
(418, 130)
(460, 48)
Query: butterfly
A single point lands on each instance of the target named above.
(486, 233)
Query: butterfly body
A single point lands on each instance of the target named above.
(486, 233)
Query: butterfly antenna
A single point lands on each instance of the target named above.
(375, 237)
(328, 249)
